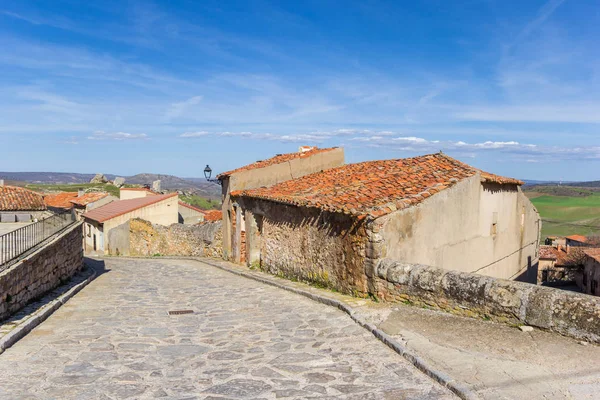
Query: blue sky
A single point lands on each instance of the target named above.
(126, 87)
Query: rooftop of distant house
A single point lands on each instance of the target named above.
(88, 198)
(374, 188)
(140, 189)
(117, 208)
(60, 200)
(548, 252)
(593, 253)
(304, 152)
(577, 238)
(66, 200)
(213, 215)
(191, 207)
(13, 198)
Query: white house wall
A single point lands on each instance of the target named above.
(454, 229)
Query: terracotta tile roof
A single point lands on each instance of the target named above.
(60, 200)
(191, 207)
(88, 198)
(577, 238)
(373, 188)
(213, 215)
(120, 207)
(13, 198)
(593, 253)
(548, 252)
(278, 159)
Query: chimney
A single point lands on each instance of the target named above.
(1, 182)
(304, 149)
(80, 192)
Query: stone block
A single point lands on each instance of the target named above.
(538, 311)
(399, 273)
(427, 278)
(576, 314)
(507, 298)
(465, 288)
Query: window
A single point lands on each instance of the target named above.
(584, 281)
(89, 230)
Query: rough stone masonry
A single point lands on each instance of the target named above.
(45, 269)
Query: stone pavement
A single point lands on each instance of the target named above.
(114, 340)
(490, 360)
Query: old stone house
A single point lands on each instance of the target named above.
(576, 241)
(158, 209)
(274, 170)
(18, 204)
(591, 272)
(333, 227)
(189, 214)
(553, 267)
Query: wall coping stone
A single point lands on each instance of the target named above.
(568, 313)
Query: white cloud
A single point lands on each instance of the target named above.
(101, 135)
(178, 109)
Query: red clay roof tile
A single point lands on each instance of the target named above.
(548, 252)
(374, 188)
(13, 198)
(88, 198)
(60, 200)
(577, 238)
(120, 207)
(213, 215)
(278, 159)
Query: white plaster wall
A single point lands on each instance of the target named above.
(133, 194)
(453, 230)
(165, 212)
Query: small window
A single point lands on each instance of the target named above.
(584, 281)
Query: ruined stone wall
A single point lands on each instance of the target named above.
(309, 245)
(568, 313)
(42, 271)
(146, 239)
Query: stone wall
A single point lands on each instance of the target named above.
(41, 271)
(324, 248)
(568, 313)
(146, 239)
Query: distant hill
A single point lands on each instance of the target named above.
(197, 186)
(49, 177)
(589, 184)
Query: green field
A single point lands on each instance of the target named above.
(568, 215)
(201, 202)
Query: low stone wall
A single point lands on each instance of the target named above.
(568, 313)
(43, 270)
(146, 239)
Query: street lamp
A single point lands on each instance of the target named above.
(208, 173)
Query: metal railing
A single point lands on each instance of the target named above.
(18, 242)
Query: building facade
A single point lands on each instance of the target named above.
(591, 272)
(158, 209)
(333, 227)
(18, 204)
(190, 215)
(272, 171)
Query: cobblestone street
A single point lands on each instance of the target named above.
(245, 340)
